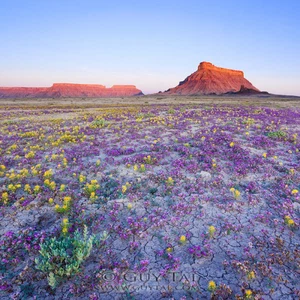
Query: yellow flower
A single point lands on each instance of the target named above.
(236, 193)
(82, 178)
(129, 205)
(51, 200)
(52, 185)
(294, 192)
(5, 197)
(27, 188)
(212, 286)
(251, 275)
(231, 144)
(211, 230)
(124, 189)
(248, 294)
(65, 221)
(62, 188)
(169, 250)
(182, 239)
(48, 174)
(30, 154)
(37, 189)
(135, 168)
(170, 181)
(142, 169)
(93, 196)
(264, 155)
(98, 163)
(34, 172)
(67, 199)
(289, 221)
(64, 230)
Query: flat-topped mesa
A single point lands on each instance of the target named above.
(209, 79)
(209, 66)
(126, 86)
(124, 90)
(74, 90)
(78, 85)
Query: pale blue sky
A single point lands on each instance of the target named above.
(152, 44)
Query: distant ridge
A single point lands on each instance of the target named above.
(68, 90)
(209, 79)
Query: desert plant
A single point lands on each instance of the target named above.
(277, 134)
(62, 257)
(98, 123)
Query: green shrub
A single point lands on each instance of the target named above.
(62, 257)
(277, 134)
(98, 123)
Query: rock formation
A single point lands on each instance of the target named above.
(66, 90)
(209, 79)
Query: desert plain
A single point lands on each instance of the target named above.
(150, 197)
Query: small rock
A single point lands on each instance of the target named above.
(206, 176)
(296, 206)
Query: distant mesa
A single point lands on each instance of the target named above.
(70, 90)
(209, 79)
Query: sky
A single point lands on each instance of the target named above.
(151, 44)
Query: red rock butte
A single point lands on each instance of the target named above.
(209, 79)
(70, 90)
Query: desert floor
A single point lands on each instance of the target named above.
(150, 197)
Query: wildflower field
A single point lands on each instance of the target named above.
(149, 200)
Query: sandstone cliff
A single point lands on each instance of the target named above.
(209, 79)
(66, 90)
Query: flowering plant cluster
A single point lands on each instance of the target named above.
(196, 188)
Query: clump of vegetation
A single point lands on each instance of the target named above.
(145, 115)
(277, 135)
(63, 256)
(65, 207)
(98, 123)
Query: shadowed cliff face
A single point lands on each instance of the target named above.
(209, 79)
(65, 90)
